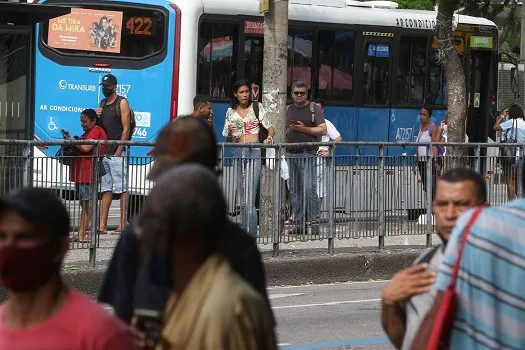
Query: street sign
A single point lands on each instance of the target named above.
(477, 99)
(255, 92)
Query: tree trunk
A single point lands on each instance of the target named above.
(274, 103)
(455, 80)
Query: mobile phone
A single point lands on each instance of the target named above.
(149, 322)
(64, 132)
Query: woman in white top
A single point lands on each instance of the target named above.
(242, 125)
(323, 162)
(428, 132)
(514, 128)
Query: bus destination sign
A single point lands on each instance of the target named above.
(481, 42)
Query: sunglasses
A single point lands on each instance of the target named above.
(299, 93)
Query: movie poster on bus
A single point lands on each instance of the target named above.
(86, 30)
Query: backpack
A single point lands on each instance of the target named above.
(132, 121)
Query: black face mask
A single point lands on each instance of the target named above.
(106, 91)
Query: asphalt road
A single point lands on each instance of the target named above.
(332, 316)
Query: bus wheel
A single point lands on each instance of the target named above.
(135, 205)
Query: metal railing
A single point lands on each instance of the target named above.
(361, 190)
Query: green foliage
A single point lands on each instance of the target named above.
(416, 4)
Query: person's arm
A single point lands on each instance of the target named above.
(318, 130)
(125, 118)
(406, 283)
(499, 121)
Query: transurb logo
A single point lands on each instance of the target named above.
(64, 85)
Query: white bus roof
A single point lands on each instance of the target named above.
(341, 12)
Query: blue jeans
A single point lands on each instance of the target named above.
(248, 170)
(303, 183)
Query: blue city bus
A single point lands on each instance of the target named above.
(373, 64)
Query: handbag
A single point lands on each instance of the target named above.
(263, 132)
(66, 154)
(440, 334)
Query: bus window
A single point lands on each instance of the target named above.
(412, 71)
(336, 66)
(253, 59)
(376, 77)
(216, 66)
(300, 57)
(111, 33)
(437, 88)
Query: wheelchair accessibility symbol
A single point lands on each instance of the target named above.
(51, 125)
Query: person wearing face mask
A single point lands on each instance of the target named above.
(40, 311)
(81, 171)
(118, 127)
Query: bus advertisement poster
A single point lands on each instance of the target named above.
(87, 30)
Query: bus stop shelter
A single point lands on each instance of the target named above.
(18, 22)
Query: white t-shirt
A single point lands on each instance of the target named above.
(331, 134)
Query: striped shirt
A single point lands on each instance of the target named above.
(491, 283)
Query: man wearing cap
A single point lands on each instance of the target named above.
(115, 114)
(40, 311)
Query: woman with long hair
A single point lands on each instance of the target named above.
(81, 171)
(243, 124)
(514, 129)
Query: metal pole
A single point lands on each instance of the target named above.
(331, 202)
(94, 208)
(381, 197)
(477, 165)
(277, 214)
(429, 175)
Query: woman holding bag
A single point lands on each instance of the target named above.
(245, 122)
(81, 171)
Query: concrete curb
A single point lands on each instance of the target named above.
(290, 268)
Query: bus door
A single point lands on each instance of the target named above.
(480, 86)
(374, 116)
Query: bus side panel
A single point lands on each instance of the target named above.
(404, 127)
(373, 126)
(62, 92)
(219, 117)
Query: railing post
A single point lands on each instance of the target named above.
(331, 200)
(381, 197)
(477, 164)
(94, 207)
(429, 175)
(277, 202)
(28, 169)
(519, 178)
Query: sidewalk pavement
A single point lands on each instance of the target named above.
(298, 263)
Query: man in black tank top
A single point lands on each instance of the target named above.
(117, 127)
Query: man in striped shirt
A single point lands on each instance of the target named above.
(490, 288)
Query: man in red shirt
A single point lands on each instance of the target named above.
(40, 311)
